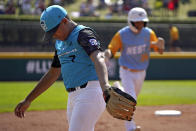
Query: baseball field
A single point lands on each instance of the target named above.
(48, 111)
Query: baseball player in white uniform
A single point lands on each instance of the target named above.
(134, 42)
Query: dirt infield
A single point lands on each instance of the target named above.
(144, 116)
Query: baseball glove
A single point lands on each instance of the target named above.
(119, 104)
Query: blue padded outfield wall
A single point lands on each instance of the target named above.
(19, 66)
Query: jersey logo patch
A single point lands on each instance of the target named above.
(94, 42)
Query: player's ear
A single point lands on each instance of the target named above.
(64, 20)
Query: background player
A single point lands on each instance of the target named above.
(174, 42)
(80, 62)
(134, 41)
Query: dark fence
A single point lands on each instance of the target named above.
(27, 35)
(30, 66)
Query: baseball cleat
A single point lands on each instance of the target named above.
(138, 128)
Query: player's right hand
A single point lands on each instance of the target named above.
(161, 44)
(21, 108)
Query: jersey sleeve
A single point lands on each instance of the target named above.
(115, 44)
(55, 61)
(153, 38)
(88, 39)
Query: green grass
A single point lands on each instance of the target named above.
(13, 92)
(153, 93)
(168, 92)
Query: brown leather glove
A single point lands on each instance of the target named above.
(119, 104)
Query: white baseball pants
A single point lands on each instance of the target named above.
(85, 106)
(132, 83)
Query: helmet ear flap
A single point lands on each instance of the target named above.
(145, 24)
(132, 23)
(132, 27)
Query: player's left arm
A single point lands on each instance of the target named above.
(158, 44)
(88, 39)
(98, 59)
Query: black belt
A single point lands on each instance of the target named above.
(74, 89)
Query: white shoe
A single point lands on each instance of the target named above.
(118, 85)
(138, 128)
